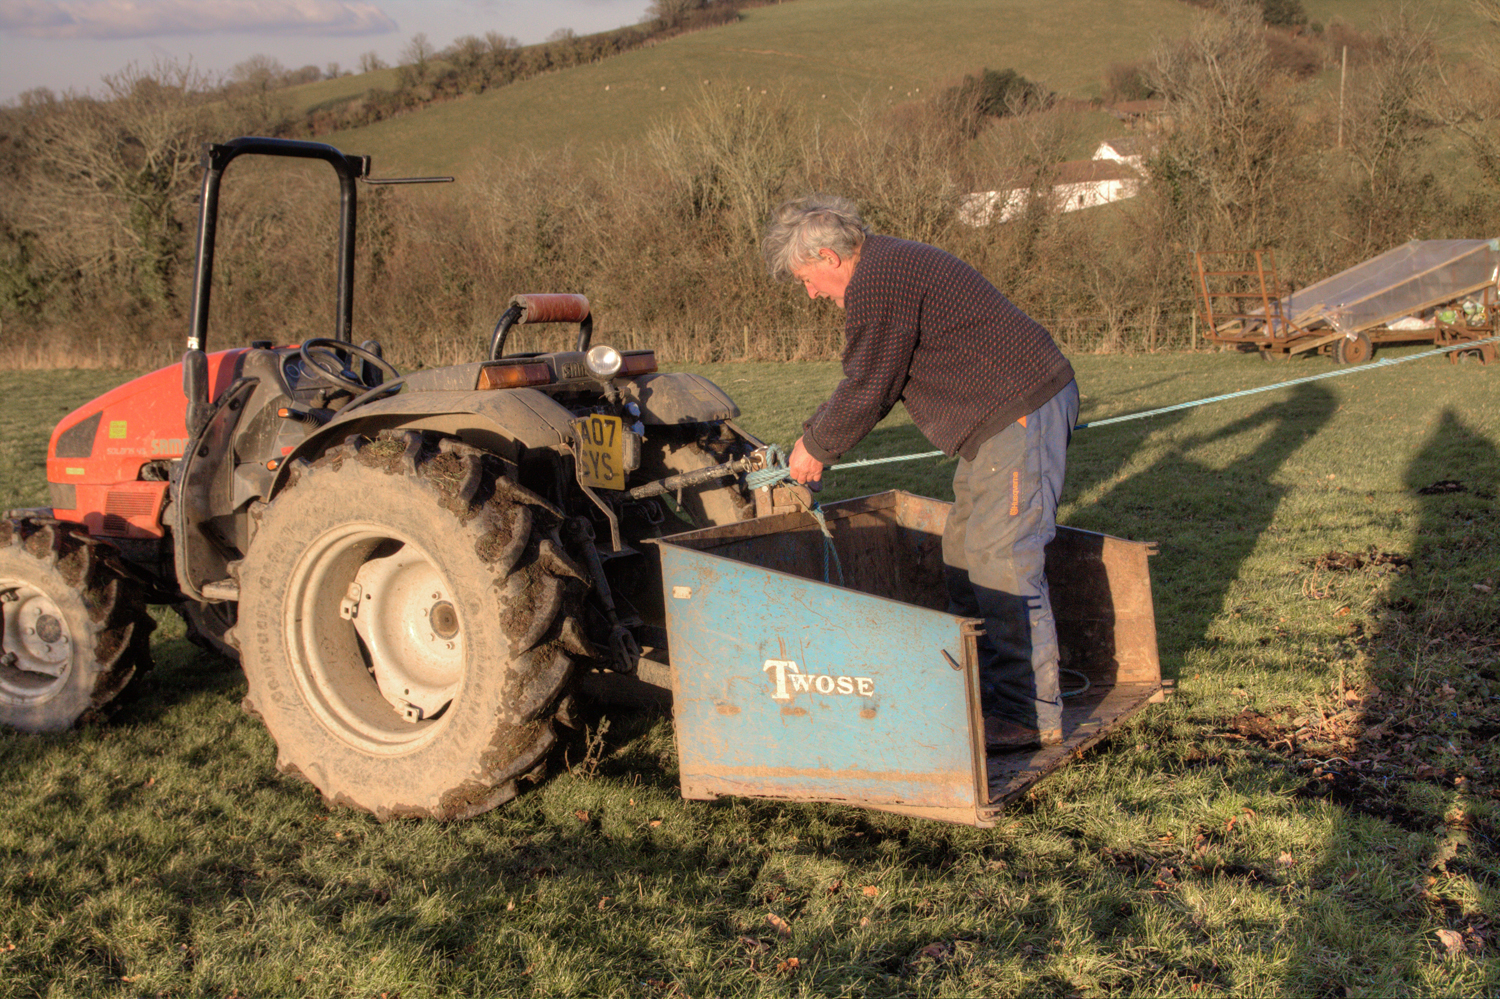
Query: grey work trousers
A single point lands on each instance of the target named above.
(1004, 514)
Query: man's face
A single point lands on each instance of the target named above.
(826, 277)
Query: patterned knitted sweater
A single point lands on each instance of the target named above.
(925, 328)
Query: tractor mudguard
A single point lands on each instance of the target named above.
(503, 423)
(669, 398)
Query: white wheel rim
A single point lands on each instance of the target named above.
(361, 640)
(37, 636)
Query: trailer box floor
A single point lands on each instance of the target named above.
(866, 693)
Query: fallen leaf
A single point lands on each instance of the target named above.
(778, 924)
(654, 823)
(836, 887)
(864, 920)
(581, 815)
(604, 900)
(510, 906)
(788, 966)
(870, 891)
(1452, 940)
(938, 951)
(1482, 588)
(1286, 860)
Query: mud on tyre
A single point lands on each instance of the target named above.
(75, 631)
(406, 627)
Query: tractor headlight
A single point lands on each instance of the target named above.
(603, 362)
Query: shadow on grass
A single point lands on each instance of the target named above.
(1424, 759)
(181, 671)
(1206, 519)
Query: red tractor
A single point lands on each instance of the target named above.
(413, 569)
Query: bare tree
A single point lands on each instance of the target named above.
(370, 62)
(500, 43)
(110, 187)
(671, 13)
(466, 51)
(418, 53)
(1468, 101)
(260, 72)
(1229, 169)
(728, 158)
(1385, 125)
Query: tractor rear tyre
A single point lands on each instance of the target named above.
(75, 632)
(405, 627)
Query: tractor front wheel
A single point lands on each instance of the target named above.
(74, 631)
(404, 628)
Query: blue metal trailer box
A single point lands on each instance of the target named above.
(866, 693)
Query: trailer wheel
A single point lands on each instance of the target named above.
(405, 628)
(1357, 350)
(74, 632)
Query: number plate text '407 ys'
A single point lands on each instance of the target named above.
(601, 451)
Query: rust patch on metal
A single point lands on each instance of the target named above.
(867, 713)
(727, 709)
(794, 711)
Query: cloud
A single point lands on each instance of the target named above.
(113, 19)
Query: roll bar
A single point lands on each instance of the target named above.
(217, 156)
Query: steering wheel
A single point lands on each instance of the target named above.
(318, 354)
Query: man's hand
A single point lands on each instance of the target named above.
(804, 468)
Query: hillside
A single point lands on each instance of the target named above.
(829, 54)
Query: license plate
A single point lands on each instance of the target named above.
(601, 451)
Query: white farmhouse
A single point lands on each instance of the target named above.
(1072, 186)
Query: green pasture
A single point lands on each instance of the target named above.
(828, 56)
(832, 57)
(1312, 813)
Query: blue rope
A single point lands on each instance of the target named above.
(1357, 369)
(776, 469)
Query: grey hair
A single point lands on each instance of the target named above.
(801, 227)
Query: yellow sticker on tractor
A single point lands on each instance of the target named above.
(601, 451)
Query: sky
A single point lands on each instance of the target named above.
(69, 44)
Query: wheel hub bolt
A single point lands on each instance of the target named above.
(48, 628)
(444, 620)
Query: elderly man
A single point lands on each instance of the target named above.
(981, 380)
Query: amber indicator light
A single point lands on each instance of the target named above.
(641, 363)
(503, 376)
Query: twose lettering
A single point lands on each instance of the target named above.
(789, 681)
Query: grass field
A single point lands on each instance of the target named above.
(1313, 813)
(830, 56)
